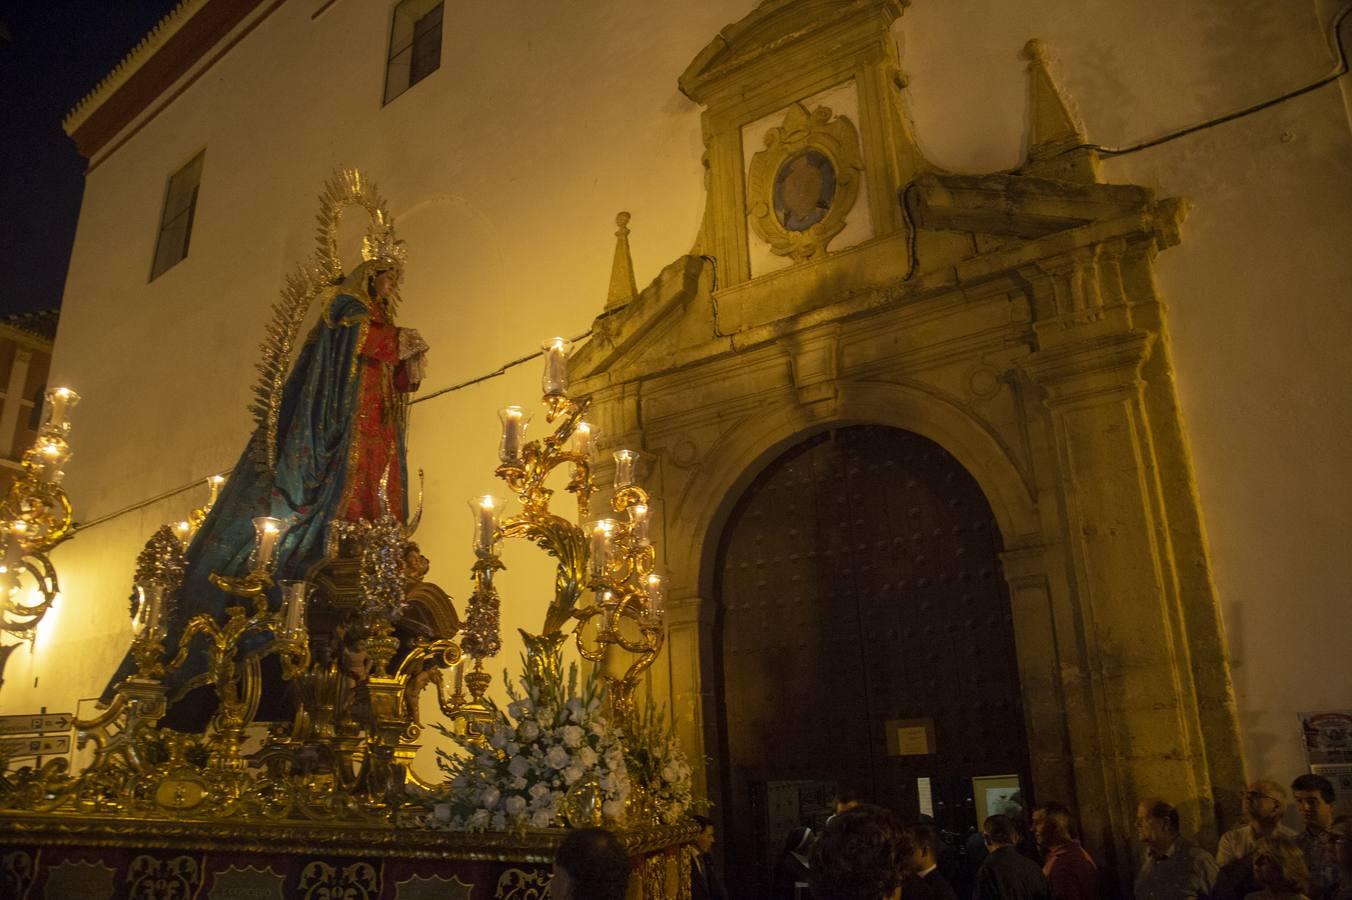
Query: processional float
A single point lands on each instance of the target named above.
(354, 643)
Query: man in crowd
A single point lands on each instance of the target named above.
(1070, 870)
(1007, 874)
(1263, 805)
(862, 854)
(1314, 796)
(1264, 802)
(590, 864)
(704, 881)
(926, 882)
(1173, 869)
(845, 798)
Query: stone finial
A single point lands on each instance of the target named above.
(1054, 133)
(623, 287)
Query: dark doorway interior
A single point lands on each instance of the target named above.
(859, 593)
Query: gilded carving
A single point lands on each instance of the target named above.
(518, 884)
(16, 874)
(149, 878)
(805, 182)
(320, 881)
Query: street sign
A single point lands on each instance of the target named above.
(17, 748)
(37, 722)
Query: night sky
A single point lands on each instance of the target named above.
(52, 53)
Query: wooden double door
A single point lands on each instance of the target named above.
(859, 591)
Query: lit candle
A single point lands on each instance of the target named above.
(610, 609)
(555, 381)
(294, 621)
(514, 422)
(153, 599)
(601, 534)
(214, 488)
(183, 531)
(624, 467)
(582, 439)
(486, 510)
(267, 532)
(53, 450)
(656, 592)
(59, 401)
(638, 523)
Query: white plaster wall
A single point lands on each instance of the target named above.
(1256, 292)
(506, 168)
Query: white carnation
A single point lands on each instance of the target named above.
(515, 805)
(557, 757)
(572, 735)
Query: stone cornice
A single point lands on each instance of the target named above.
(168, 52)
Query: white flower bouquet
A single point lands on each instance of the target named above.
(658, 765)
(551, 737)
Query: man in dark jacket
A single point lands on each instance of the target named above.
(1007, 874)
(926, 882)
(704, 881)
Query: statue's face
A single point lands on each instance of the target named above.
(385, 283)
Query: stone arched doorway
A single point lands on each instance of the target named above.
(858, 598)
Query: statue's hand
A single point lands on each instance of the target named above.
(411, 343)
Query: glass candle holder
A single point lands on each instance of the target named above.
(295, 595)
(514, 422)
(487, 511)
(655, 590)
(555, 380)
(150, 615)
(268, 533)
(602, 542)
(214, 489)
(59, 402)
(583, 436)
(638, 524)
(183, 531)
(624, 467)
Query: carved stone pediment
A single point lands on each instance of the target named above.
(754, 39)
(650, 326)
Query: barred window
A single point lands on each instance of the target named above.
(415, 45)
(180, 204)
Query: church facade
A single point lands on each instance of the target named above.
(985, 368)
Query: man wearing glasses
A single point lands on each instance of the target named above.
(1263, 805)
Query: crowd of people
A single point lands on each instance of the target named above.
(865, 853)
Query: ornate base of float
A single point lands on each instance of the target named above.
(60, 857)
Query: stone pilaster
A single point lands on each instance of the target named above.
(1138, 688)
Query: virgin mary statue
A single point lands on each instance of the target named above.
(329, 443)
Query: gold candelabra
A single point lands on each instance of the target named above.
(612, 558)
(36, 516)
